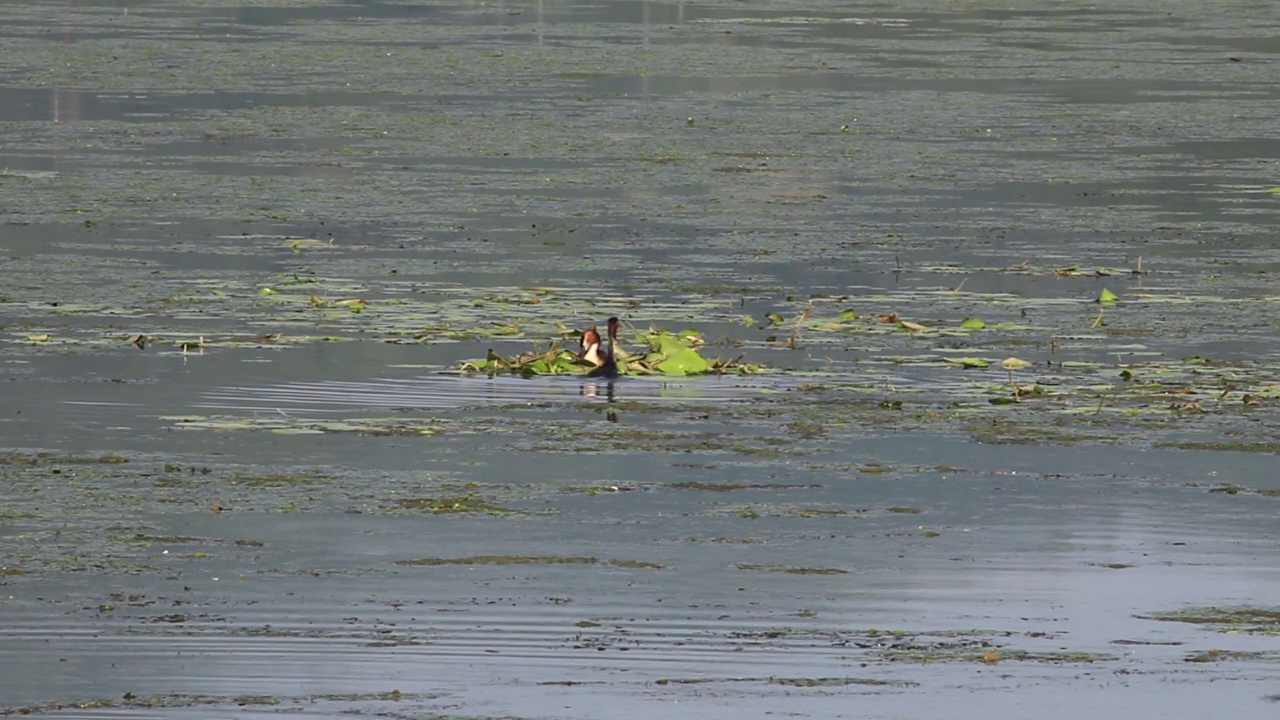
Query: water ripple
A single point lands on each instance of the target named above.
(453, 391)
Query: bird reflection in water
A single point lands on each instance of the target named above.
(605, 391)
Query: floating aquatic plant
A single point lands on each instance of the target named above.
(667, 353)
(555, 360)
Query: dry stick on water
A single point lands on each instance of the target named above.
(1098, 320)
(962, 282)
(793, 343)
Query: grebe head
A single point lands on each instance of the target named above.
(599, 354)
(590, 347)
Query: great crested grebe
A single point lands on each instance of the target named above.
(601, 357)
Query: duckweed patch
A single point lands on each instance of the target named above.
(130, 700)
(707, 486)
(758, 510)
(791, 570)
(1215, 655)
(621, 438)
(801, 682)
(811, 512)
(874, 469)
(530, 560)
(889, 646)
(504, 560)
(72, 523)
(981, 651)
(455, 504)
(148, 539)
(1245, 620)
(710, 486)
(52, 458)
(286, 425)
(636, 564)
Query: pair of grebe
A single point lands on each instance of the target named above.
(602, 356)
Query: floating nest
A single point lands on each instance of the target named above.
(668, 353)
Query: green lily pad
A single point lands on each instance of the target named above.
(685, 361)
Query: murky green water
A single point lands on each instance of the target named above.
(245, 247)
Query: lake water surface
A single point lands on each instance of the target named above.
(246, 246)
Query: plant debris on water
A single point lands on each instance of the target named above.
(529, 560)
(465, 503)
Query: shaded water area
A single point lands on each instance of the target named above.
(1011, 271)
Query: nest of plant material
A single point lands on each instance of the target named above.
(667, 353)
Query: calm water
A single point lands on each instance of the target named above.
(307, 509)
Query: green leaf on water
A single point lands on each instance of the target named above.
(1106, 297)
(686, 361)
(665, 344)
(775, 319)
(973, 322)
(848, 315)
(1274, 190)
